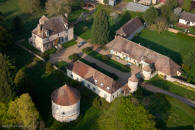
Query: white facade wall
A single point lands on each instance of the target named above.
(182, 21)
(136, 32)
(132, 85)
(37, 42)
(102, 93)
(125, 57)
(146, 75)
(40, 43)
(65, 113)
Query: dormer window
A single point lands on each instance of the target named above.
(108, 88)
(102, 84)
(66, 26)
(95, 81)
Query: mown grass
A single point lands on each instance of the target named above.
(172, 45)
(169, 112)
(179, 90)
(110, 62)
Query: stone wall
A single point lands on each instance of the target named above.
(171, 79)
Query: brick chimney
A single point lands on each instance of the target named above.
(39, 28)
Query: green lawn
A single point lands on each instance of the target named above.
(115, 77)
(179, 90)
(110, 62)
(169, 112)
(169, 44)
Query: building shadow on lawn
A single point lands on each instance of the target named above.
(158, 106)
(181, 128)
(158, 48)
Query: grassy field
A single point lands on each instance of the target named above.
(179, 90)
(174, 46)
(169, 113)
(110, 62)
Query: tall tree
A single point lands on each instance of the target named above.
(5, 39)
(30, 6)
(58, 7)
(186, 5)
(23, 111)
(124, 115)
(150, 15)
(6, 83)
(100, 30)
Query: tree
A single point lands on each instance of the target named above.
(6, 83)
(172, 3)
(30, 6)
(150, 15)
(192, 29)
(100, 30)
(75, 4)
(5, 39)
(161, 24)
(48, 68)
(17, 23)
(23, 111)
(22, 81)
(124, 115)
(186, 5)
(58, 7)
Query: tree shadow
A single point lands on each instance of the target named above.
(160, 49)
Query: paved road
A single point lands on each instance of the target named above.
(155, 89)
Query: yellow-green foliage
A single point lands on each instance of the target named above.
(22, 111)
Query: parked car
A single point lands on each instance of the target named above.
(81, 43)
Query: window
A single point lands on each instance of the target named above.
(102, 84)
(71, 75)
(108, 88)
(95, 81)
(94, 89)
(63, 113)
(88, 85)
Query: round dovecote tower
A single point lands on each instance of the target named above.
(133, 83)
(146, 71)
(65, 104)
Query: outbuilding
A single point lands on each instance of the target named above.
(65, 104)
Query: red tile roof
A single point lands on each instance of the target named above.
(65, 96)
(94, 76)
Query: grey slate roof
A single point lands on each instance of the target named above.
(187, 16)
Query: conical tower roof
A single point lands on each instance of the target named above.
(65, 96)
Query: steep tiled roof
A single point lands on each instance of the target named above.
(53, 25)
(65, 96)
(187, 16)
(162, 63)
(94, 76)
(130, 27)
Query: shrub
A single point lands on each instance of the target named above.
(87, 50)
(48, 68)
(47, 53)
(105, 57)
(100, 103)
(189, 79)
(69, 43)
(74, 57)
